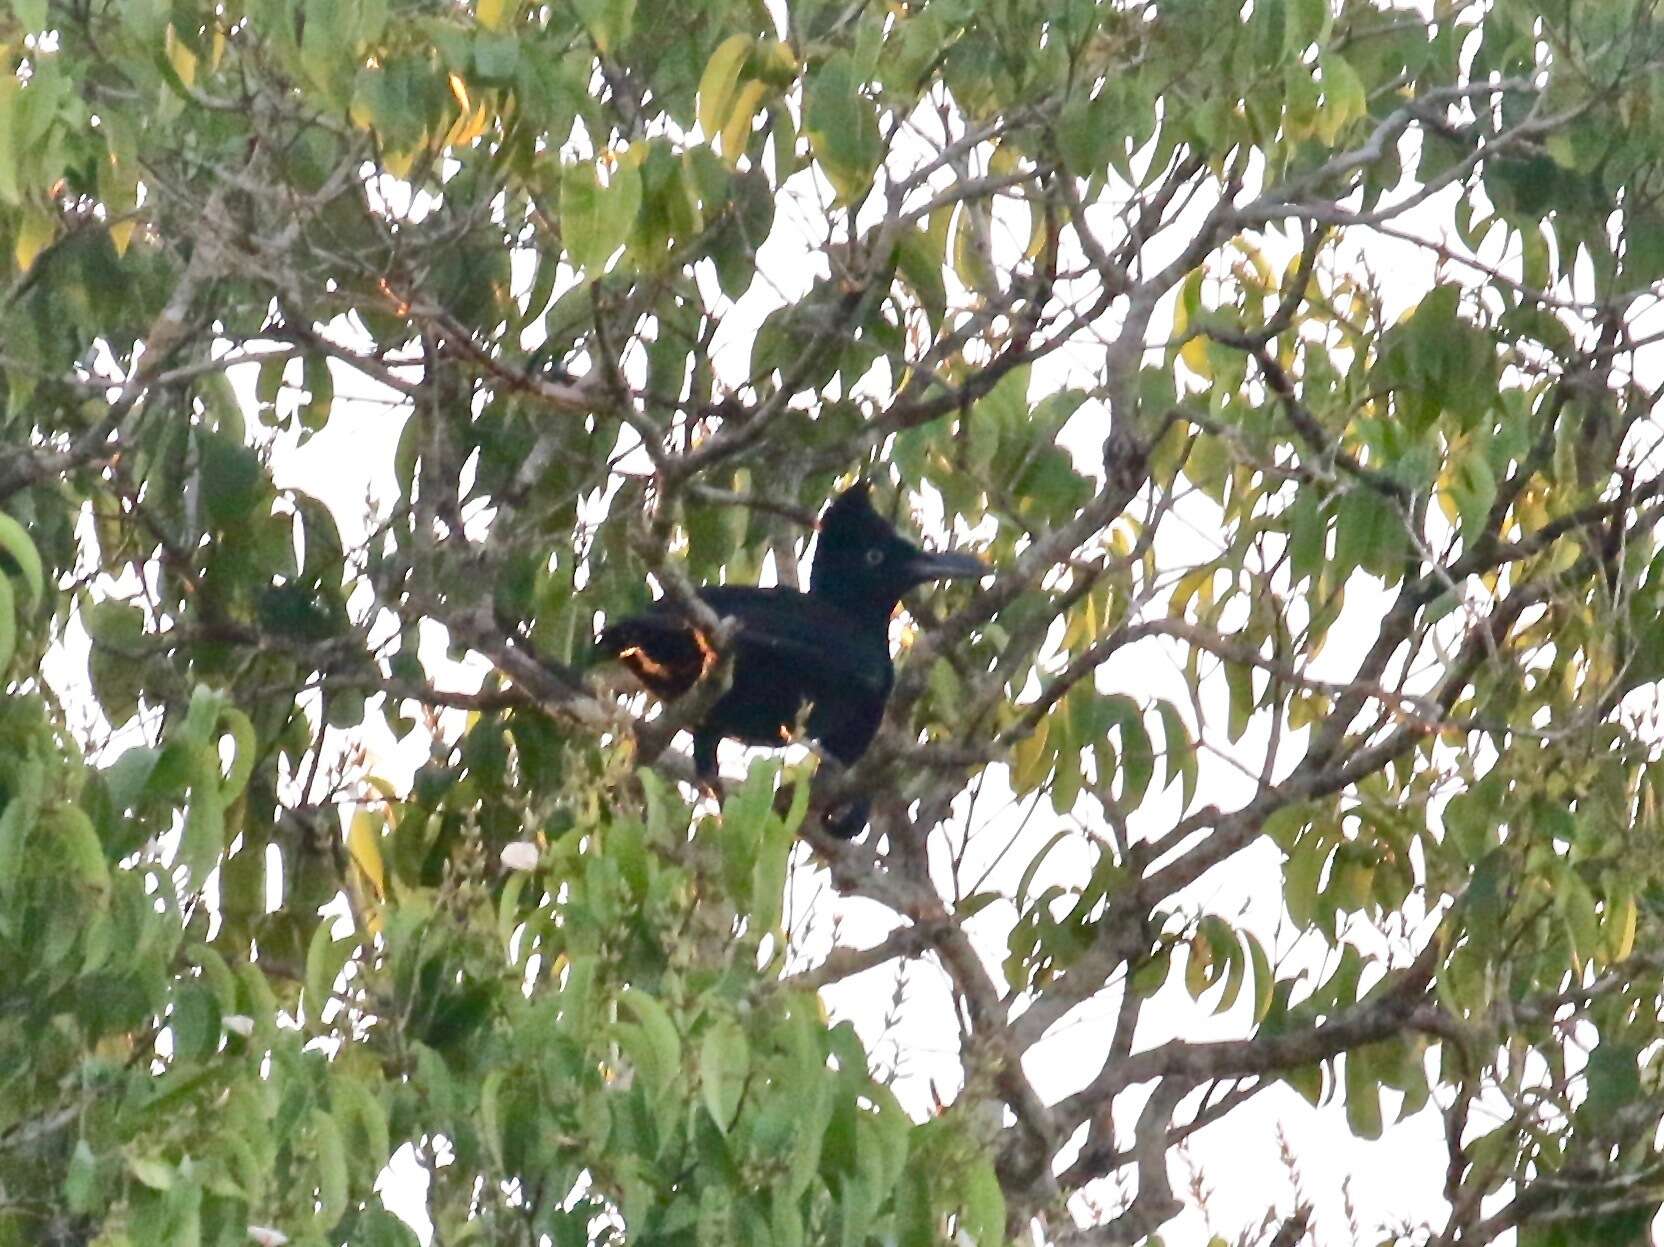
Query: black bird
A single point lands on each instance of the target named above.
(828, 649)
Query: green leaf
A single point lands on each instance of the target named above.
(1066, 773)
(1086, 135)
(128, 776)
(609, 22)
(1300, 877)
(202, 715)
(158, 1175)
(1308, 535)
(1344, 99)
(1471, 820)
(490, 1113)
(1614, 1080)
(717, 83)
(8, 625)
(18, 556)
(842, 128)
(724, 1065)
(1179, 751)
(743, 204)
(1031, 760)
(84, 1187)
(356, 1103)
(1264, 983)
(325, 957)
(1020, 897)
(31, 14)
(596, 217)
(1304, 21)
(236, 724)
(654, 1044)
(1472, 490)
(329, 1156)
(320, 388)
(195, 1021)
(1577, 908)
(746, 815)
(1308, 1081)
(17, 821)
(11, 89)
(1239, 679)
(1643, 239)
(204, 836)
(1138, 757)
(984, 1217)
(296, 611)
(1199, 969)
(768, 873)
(1151, 974)
(1363, 1098)
(231, 478)
(117, 631)
(919, 260)
(1227, 949)
(75, 843)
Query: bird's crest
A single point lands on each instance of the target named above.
(852, 512)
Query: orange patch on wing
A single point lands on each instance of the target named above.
(707, 652)
(642, 663)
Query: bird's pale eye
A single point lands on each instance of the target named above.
(874, 557)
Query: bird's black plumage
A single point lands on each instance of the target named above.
(827, 649)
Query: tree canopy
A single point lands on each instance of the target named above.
(1291, 362)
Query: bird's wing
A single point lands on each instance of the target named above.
(659, 648)
(816, 645)
(813, 644)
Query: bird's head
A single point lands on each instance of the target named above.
(862, 562)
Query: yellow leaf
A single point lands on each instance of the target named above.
(1195, 356)
(1039, 231)
(1262, 270)
(468, 127)
(360, 112)
(775, 63)
(364, 847)
(1344, 99)
(971, 262)
(385, 787)
(717, 83)
(368, 878)
(1029, 759)
(180, 57)
(1082, 628)
(399, 164)
(121, 233)
(1193, 584)
(1619, 923)
(1194, 352)
(494, 14)
(34, 232)
(740, 116)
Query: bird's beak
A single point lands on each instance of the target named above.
(925, 566)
